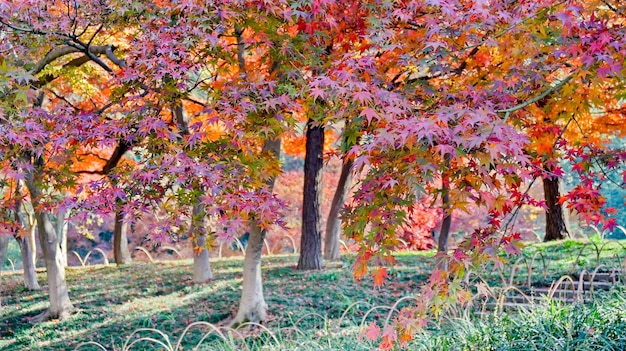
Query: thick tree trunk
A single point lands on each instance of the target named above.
(252, 307)
(60, 304)
(333, 225)
(556, 221)
(311, 239)
(201, 264)
(120, 240)
(444, 233)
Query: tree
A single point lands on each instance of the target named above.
(556, 222)
(466, 93)
(36, 136)
(201, 265)
(311, 240)
(26, 241)
(4, 244)
(333, 225)
(252, 306)
(60, 304)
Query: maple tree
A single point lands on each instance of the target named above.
(462, 111)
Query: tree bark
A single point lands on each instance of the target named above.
(61, 226)
(28, 248)
(28, 262)
(252, 307)
(201, 264)
(120, 239)
(4, 244)
(311, 239)
(333, 225)
(556, 221)
(444, 233)
(60, 304)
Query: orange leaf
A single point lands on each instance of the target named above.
(379, 275)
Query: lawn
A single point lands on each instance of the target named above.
(304, 307)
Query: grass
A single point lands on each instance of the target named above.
(600, 325)
(306, 308)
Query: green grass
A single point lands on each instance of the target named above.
(600, 325)
(304, 308)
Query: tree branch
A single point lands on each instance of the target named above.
(60, 52)
(536, 98)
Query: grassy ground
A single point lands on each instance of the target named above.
(113, 302)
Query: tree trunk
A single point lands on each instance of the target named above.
(4, 244)
(61, 227)
(120, 240)
(201, 264)
(60, 304)
(28, 249)
(556, 221)
(28, 246)
(252, 307)
(333, 225)
(28, 262)
(442, 242)
(311, 239)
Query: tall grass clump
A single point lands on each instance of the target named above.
(551, 326)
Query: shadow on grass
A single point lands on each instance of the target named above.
(113, 302)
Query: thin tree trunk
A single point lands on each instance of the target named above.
(442, 243)
(252, 307)
(4, 244)
(311, 239)
(556, 221)
(60, 304)
(120, 239)
(201, 264)
(28, 264)
(27, 248)
(333, 225)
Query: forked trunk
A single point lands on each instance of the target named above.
(556, 221)
(120, 240)
(333, 225)
(252, 307)
(60, 304)
(311, 239)
(201, 264)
